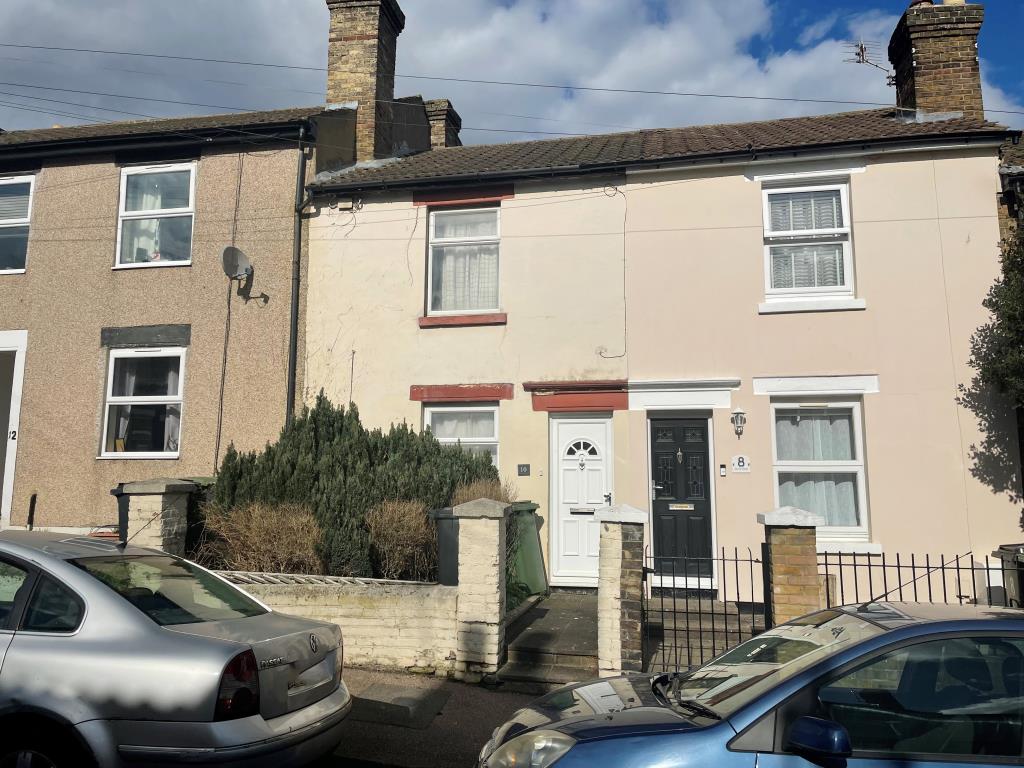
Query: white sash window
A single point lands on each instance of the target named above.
(475, 428)
(808, 252)
(156, 216)
(464, 247)
(144, 400)
(819, 465)
(15, 212)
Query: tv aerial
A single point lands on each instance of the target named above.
(867, 52)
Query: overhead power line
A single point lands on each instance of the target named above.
(504, 83)
(238, 131)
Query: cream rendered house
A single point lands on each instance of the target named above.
(704, 323)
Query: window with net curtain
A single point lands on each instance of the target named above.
(817, 463)
(156, 217)
(808, 239)
(464, 247)
(15, 199)
(144, 404)
(474, 428)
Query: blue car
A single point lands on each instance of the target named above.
(891, 685)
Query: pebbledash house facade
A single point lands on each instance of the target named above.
(704, 323)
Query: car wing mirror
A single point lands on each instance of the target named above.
(817, 739)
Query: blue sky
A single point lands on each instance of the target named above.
(782, 49)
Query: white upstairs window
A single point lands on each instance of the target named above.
(807, 246)
(144, 403)
(156, 216)
(15, 212)
(463, 270)
(475, 427)
(819, 465)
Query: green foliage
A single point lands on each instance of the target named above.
(328, 461)
(997, 349)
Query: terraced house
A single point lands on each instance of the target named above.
(126, 352)
(704, 323)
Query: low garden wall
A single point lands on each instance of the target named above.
(402, 625)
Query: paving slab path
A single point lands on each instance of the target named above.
(452, 739)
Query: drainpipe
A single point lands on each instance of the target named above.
(293, 331)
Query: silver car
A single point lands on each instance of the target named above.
(116, 656)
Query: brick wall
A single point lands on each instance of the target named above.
(934, 51)
(388, 624)
(361, 56)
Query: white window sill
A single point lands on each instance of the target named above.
(154, 265)
(12, 271)
(826, 547)
(139, 457)
(781, 306)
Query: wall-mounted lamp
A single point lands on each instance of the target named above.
(739, 421)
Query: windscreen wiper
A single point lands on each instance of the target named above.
(697, 708)
(667, 686)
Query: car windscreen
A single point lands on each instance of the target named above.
(171, 591)
(748, 671)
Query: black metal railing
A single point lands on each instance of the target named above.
(696, 608)
(851, 579)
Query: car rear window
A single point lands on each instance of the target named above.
(171, 591)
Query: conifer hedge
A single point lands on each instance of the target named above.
(327, 460)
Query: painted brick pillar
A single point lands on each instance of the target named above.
(791, 560)
(619, 588)
(480, 610)
(158, 513)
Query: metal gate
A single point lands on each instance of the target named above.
(696, 608)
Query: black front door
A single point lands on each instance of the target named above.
(682, 497)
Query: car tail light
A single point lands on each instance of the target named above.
(339, 660)
(239, 694)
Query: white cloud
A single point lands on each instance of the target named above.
(819, 29)
(696, 46)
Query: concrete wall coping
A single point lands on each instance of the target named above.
(481, 508)
(790, 517)
(622, 513)
(158, 487)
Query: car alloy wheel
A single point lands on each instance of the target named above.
(26, 758)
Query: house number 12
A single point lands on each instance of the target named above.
(12, 435)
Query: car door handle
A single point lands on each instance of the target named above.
(581, 510)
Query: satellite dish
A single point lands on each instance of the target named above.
(236, 264)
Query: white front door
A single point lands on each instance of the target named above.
(581, 484)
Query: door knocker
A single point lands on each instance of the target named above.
(679, 456)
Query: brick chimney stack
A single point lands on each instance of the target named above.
(445, 124)
(934, 51)
(361, 67)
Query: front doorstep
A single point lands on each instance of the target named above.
(582, 582)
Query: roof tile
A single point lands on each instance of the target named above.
(651, 146)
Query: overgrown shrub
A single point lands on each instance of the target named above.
(486, 488)
(272, 538)
(328, 461)
(403, 541)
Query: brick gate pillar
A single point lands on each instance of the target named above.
(791, 562)
(480, 610)
(619, 586)
(158, 513)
